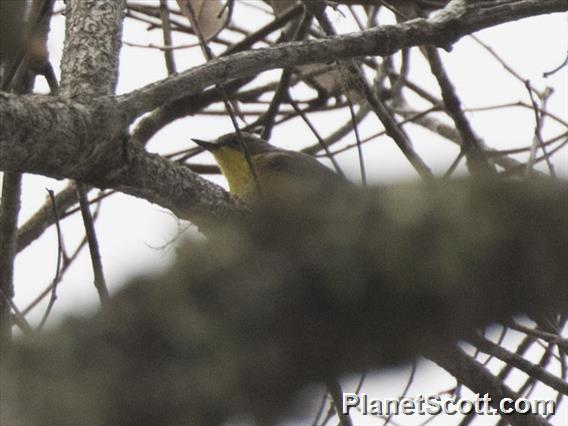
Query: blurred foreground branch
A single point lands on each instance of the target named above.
(336, 283)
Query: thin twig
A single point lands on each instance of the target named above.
(334, 389)
(167, 35)
(319, 412)
(156, 47)
(100, 283)
(473, 151)
(503, 63)
(68, 261)
(521, 167)
(19, 319)
(537, 140)
(281, 91)
(519, 104)
(358, 142)
(324, 146)
(539, 334)
(405, 391)
(371, 137)
(317, 8)
(454, 165)
(60, 257)
(558, 68)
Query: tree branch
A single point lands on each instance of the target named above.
(251, 316)
(93, 33)
(441, 29)
(87, 144)
(480, 380)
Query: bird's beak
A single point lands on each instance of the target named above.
(209, 146)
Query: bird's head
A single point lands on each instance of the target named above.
(231, 142)
(230, 156)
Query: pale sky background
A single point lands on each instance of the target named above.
(137, 237)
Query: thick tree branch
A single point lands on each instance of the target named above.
(343, 283)
(86, 143)
(93, 33)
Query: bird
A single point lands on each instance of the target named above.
(271, 169)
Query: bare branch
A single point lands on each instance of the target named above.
(439, 30)
(240, 312)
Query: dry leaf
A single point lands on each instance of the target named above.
(211, 16)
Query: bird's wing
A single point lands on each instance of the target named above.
(295, 165)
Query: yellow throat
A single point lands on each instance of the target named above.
(236, 170)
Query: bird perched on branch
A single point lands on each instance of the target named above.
(268, 170)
